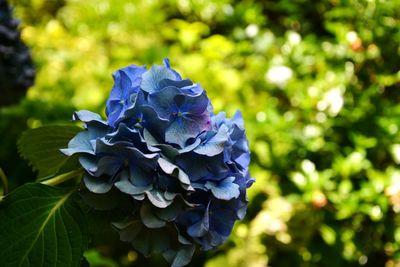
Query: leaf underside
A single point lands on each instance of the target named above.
(42, 226)
(41, 147)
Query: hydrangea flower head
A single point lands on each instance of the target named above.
(183, 168)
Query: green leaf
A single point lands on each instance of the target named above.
(94, 258)
(41, 147)
(328, 234)
(42, 226)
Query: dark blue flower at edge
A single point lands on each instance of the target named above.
(210, 222)
(184, 168)
(126, 84)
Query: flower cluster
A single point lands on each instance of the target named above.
(17, 72)
(184, 168)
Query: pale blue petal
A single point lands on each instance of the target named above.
(173, 170)
(87, 116)
(168, 65)
(157, 199)
(151, 79)
(183, 256)
(190, 147)
(225, 189)
(215, 145)
(79, 144)
(125, 186)
(97, 185)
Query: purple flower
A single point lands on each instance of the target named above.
(184, 168)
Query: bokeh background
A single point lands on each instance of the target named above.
(318, 83)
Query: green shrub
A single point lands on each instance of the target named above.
(318, 84)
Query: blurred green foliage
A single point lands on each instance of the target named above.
(317, 82)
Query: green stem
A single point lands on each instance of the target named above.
(4, 180)
(63, 177)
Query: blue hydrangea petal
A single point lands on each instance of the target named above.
(222, 215)
(140, 177)
(170, 195)
(157, 198)
(152, 121)
(223, 223)
(130, 189)
(126, 83)
(149, 219)
(190, 147)
(211, 240)
(193, 104)
(199, 186)
(241, 210)
(196, 166)
(143, 239)
(250, 181)
(188, 114)
(243, 160)
(202, 167)
(126, 186)
(171, 212)
(149, 138)
(171, 101)
(128, 230)
(83, 141)
(181, 130)
(124, 133)
(181, 257)
(176, 83)
(167, 150)
(168, 65)
(108, 165)
(183, 240)
(174, 170)
(186, 127)
(144, 116)
(87, 116)
(127, 153)
(237, 133)
(242, 180)
(117, 110)
(89, 163)
(151, 78)
(132, 135)
(130, 78)
(97, 185)
(201, 227)
(168, 184)
(163, 101)
(131, 112)
(238, 119)
(80, 144)
(225, 189)
(139, 197)
(218, 119)
(215, 145)
(193, 89)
